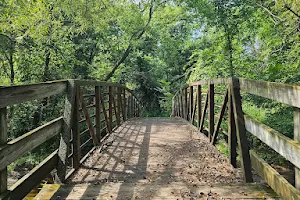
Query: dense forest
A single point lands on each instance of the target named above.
(154, 47)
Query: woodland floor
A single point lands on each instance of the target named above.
(159, 158)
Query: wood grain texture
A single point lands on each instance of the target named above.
(232, 138)
(241, 131)
(279, 184)
(288, 148)
(23, 186)
(27, 142)
(64, 144)
(21, 93)
(288, 94)
(211, 111)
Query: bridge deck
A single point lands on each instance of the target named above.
(157, 158)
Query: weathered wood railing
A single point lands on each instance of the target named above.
(187, 104)
(109, 104)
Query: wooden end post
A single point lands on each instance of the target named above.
(64, 144)
(241, 130)
(211, 111)
(75, 132)
(3, 140)
(232, 140)
(297, 138)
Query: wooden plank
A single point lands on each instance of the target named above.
(211, 111)
(98, 83)
(199, 97)
(279, 184)
(191, 98)
(27, 142)
(23, 186)
(288, 94)
(203, 113)
(75, 132)
(288, 148)
(98, 113)
(88, 120)
(232, 138)
(211, 82)
(297, 138)
(18, 94)
(3, 141)
(241, 131)
(64, 144)
(221, 115)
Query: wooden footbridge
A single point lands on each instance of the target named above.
(107, 151)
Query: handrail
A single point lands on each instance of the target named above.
(122, 104)
(184, 105)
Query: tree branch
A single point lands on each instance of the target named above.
(129, 48)
(290, 9)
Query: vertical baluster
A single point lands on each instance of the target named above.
(110, 102)
(97, 107)
(185, 104)
(124, 105)
(199, 97)
(191, 103)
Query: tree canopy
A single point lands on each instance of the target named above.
(152, 46)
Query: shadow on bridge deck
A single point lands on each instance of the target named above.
(157, 158)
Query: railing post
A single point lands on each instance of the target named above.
(297, 138)
(118, 107)
(98, 111)
(232, 140)
(3, 140)
(199, 98)
(110, 107)
(120, 103)
(191, 104)
(64, 144)
(124, 105)
(241, 130)
(75, 131)
(211, 111)
(185, 104)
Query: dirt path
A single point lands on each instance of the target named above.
(155, 158)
